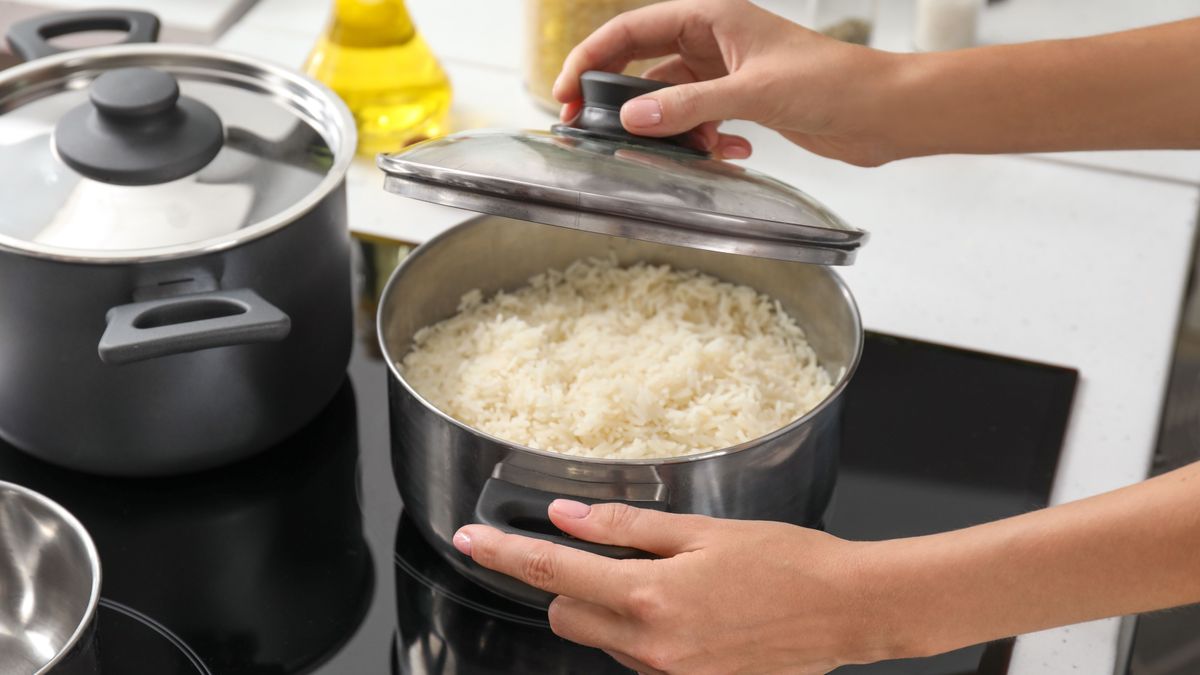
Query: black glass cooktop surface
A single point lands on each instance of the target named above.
(935, 439)
(298, 561)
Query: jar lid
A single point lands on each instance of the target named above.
(146, 151)
(593, 175)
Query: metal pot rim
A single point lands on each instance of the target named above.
(332, 118)
(93, 561)
(843, 382)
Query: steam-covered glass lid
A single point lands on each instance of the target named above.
(593, 175)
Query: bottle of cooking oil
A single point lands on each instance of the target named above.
(373, 57)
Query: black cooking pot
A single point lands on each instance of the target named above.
(261, 568)
(173, 249)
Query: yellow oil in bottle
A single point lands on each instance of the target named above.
(372, 56)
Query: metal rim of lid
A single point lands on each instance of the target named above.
(306, 98)
(610, 215)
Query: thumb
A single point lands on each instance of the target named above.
(674, 110)
(663, 534)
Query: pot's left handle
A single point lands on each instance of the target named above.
(517, 509)
(187, 323)
(30, 39)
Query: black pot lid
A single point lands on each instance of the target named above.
(149, 151)
(592, 175)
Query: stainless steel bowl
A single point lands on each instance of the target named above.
(49, 587)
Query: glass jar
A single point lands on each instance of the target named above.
(846, 20)
(553, 28)
(946, 24)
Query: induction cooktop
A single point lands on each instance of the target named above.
(935, 439)
(300, 560)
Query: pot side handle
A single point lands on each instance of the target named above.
(188, 323)
(30, 39)
(516, 509)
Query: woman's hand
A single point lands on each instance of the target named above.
(726, 596)
(730, 59)
(733, 596)
(734, 60)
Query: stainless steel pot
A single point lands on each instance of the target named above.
(49, 588)
(173, 249)
(450, 474)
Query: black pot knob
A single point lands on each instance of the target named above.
(134, 92)
(603, 95)
(136, 129)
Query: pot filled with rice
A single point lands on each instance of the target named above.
(676, 341)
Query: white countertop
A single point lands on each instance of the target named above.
(1079, 260)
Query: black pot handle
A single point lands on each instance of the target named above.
(188, 323)
(29, 39)
(516, 509)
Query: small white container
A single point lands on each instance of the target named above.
(847, 20)
(947, 24)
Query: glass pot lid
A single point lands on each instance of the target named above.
(593, 175)
(148, 151)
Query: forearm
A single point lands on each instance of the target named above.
(1137, 89)
(1132, 550)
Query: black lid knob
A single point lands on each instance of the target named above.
(137, 130)
(612, 90)
(134, 92)
(603, 95)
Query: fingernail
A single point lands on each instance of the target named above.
(642, 112)
(462, 542)
(570, 509)
(735, 152)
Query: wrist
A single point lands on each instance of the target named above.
(901, 122)
(895, 581)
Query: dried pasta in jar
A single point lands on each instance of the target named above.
(554, 27)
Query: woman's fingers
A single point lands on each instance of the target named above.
(729, 146)
(696, 98)
(663, 534)
(642, 33)
(556, 569)
(588, 624)
(676, 71)
(676, 109)
(569, 111)
(673, 70)
(632, 663)
(705, 136)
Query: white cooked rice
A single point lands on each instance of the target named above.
(605, 361)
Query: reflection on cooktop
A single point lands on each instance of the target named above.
(261, 567)
(132, 643)
(449, 625)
